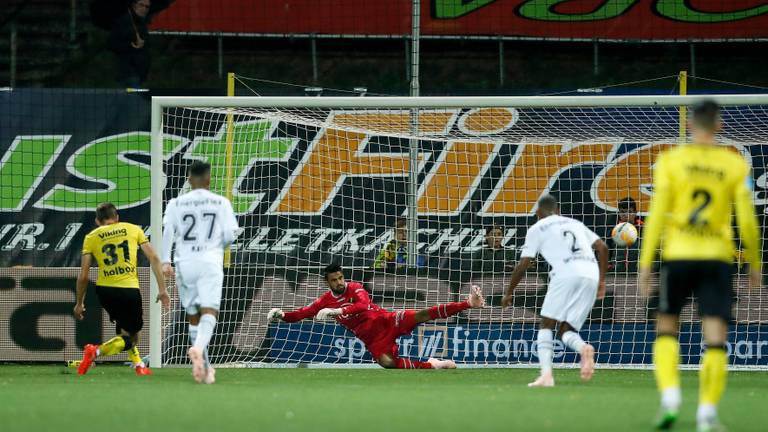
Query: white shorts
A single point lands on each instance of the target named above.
(199, 284)
(570, 299)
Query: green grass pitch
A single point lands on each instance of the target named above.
(111, 398)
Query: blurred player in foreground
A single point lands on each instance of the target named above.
(694, 188)
(348, 303)
(114, 244)
(575, 281)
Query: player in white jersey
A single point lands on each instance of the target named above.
(200, 224)
(576, 279)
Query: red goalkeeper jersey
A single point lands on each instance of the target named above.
(358, 315)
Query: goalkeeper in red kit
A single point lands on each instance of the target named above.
(349, 304)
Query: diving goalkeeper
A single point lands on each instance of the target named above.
(349, 304)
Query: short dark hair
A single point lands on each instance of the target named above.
(331, 268)
(627, 203)
(106, 211)
(548, 203)
(493, 226)
(706, 114)
(199, 169)
(401, 222)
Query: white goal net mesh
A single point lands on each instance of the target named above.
(315, 186)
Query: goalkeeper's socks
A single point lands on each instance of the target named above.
(205, 332)
(712, 376)
(113, 346)
(403, 363)
(447, 309)
(545, 349)
(573, 340)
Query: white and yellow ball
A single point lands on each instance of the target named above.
(624, 234)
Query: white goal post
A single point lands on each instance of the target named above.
(321, 179)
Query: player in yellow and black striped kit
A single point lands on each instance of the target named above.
(695, 188)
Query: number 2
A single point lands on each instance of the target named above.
(191, 221)
(574, 249)
(694, 218)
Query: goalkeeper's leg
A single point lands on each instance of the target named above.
(475, 299)
(388, 361)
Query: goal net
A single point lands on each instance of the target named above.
(420, 198)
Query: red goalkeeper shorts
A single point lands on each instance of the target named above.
(387, 330)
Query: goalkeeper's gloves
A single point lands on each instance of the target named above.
(327, 313)
(275, 315)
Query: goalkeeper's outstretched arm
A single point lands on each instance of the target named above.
(276, 314)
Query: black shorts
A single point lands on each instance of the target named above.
(710, 282)
(124, 307)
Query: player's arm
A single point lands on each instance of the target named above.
(515, 278)
(654, 225)
(230, 225)
(157, 269)
(169, 234)
(602, 251)
(82, 285)
(527, 253)
(297, 315)
(748, 228)
(361, 304)
(603, 255)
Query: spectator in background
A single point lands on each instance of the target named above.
(395, 253)
(624, 259)
(494, 257)
(127, 39)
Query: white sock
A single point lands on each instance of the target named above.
(671, 398)
(573, 340)
(205, 332)
(192, 334)
(192, 337)
(545, 349)
(706, 412)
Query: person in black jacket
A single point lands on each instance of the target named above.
(127, 40)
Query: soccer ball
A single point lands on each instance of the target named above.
(624, 234)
